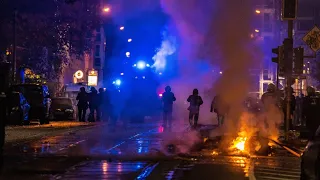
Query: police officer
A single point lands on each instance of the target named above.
(310, 110)
(167, 99)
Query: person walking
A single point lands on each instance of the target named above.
(167, 99)
(195, 102)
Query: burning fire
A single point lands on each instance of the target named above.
(239, 143)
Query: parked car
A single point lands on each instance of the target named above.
(38, 97)
(310, 159)
(17, 109)
(62, 108)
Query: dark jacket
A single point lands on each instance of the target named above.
(168, 98)
(195, 103)
(82, 98)
(219, 106)
(94, 100)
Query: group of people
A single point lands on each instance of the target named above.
(195, 101)
(98, 104)
(309, 106)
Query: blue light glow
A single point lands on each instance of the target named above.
(118, 82)
(141, 65)
(129, 40)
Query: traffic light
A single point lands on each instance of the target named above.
(289, 9)
(279, 52)
(298, 61)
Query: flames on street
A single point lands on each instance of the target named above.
(239, 143)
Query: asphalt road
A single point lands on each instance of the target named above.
(138, 151)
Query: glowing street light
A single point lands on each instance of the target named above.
(121, 74)
(117, 82)
(106, 9)
(128, 54)
(220, 72)
(141, 65)
(121, 28)
(258, 11)
(129, 40)
(257, 30)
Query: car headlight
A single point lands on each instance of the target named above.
(69, 110)
(15, 108)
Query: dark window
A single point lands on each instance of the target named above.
(97, 62)
(98, 37)
(97, 52)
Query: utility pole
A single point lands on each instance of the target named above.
(289, 13)
(289, 59)
(285, 58)
(14, 53)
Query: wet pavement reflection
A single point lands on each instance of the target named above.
(112, 153)
(103, 170)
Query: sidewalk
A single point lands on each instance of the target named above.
(16, 134)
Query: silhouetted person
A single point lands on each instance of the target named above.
(82, 98)
(311, 107)
(94, 105)
(194, 108)
(167, 99)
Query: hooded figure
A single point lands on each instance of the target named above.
(195, 102)
(82, 98)
(167, 99)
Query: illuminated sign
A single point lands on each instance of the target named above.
(78, 74)
(92, 78)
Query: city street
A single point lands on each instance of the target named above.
(138, 151)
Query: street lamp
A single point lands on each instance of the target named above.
(121, 28)
(129, 40)
(258, 11)
(257, 30)
(106, 9)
